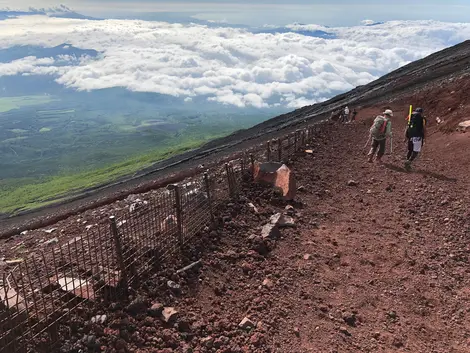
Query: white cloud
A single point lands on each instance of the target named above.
(367, 22)
(226, 65)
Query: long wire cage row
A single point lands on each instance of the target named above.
(55, 286)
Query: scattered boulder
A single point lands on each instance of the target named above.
(98, 319)
(464, 125)
(76, 286)
(246, 324)
(52, 241)
(278, 175)
(259, 245)
(287, 221)
(257, 339)
(350, 319)
(344, 331)
(174, 287)
(89, 341)
(286, 181)
(49, 231)
(138, 306)
(12, 306)
(156, 309)
(268, 283)
(282, 220)
(253, 207)
(307, 257)
(270, 231)
(352, 183)
(169, 314)
(290, 210)
(207, 342)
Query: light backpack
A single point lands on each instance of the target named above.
(379, 127)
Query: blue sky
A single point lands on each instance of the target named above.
(277, 12)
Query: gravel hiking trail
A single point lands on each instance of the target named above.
(378, 261)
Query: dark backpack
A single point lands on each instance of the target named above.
(415, 125)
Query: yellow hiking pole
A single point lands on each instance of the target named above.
(408, 120)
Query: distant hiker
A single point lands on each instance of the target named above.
(346, 114)
(414, 135)
(379, 131)
(354, 113)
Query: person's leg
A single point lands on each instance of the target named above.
(414, 150)
(373, 149)
(414, 155)
(410, 149)
(381, 152)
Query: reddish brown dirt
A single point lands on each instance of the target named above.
(382, 266)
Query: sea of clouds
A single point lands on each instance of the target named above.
(233, 66)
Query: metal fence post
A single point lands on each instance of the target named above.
(269, 151)
(279, 150)
(296, 134)
(209, 195)
(118, 248)
(179, 212)
(229, 180)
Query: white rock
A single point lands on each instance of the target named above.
(282, 220)
(253, 207)
(52, 241)
(246, 323)
(49, 231)
(270, 231)
(169, 314)
(98, 319)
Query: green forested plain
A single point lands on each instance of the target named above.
(52, 147)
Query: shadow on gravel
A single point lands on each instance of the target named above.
(420, 171)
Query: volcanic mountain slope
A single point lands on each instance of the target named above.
(429, 81)
(378, 260)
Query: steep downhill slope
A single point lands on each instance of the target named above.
(426, 80)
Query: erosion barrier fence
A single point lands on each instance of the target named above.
(40, 294)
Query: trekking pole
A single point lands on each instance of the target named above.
(367, 143)
(391, 145)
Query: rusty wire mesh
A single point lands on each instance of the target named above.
(49, 286)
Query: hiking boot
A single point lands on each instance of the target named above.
(370, 159)
(408, 165)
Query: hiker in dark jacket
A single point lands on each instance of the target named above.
(354, 113)
(380, 130)
(415, 133)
